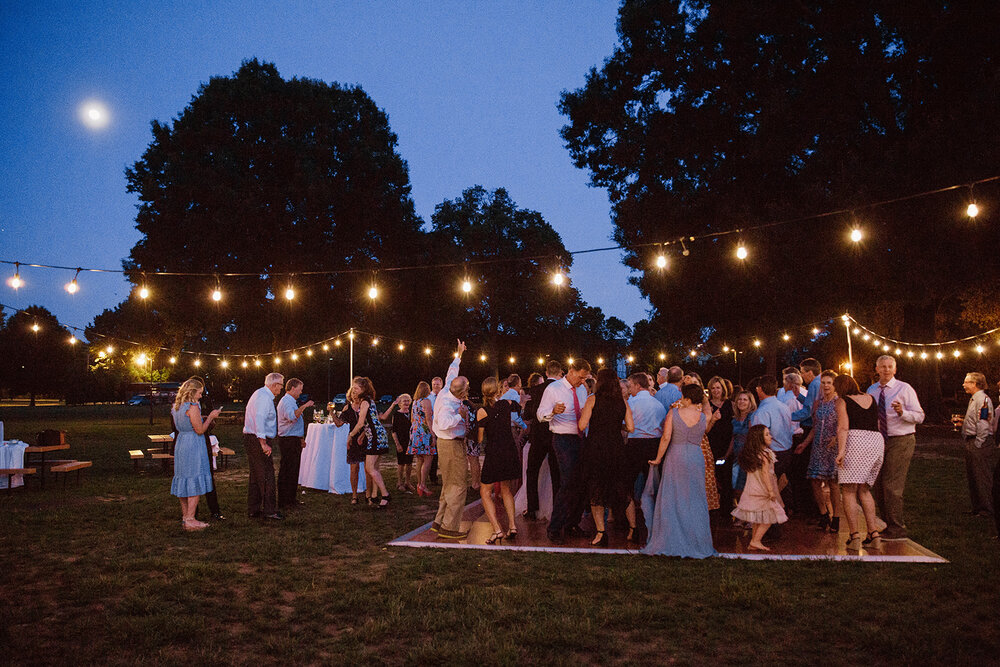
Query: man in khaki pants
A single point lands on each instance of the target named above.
(449, 425)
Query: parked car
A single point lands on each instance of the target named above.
(139, 399)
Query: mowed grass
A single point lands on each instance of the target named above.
(103, 573)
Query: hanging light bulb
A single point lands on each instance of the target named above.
(923, 355)
(295, 357)
(351, 335)
(786, 338)
(325, 347)
(856, 235)
(815, 331)
(910, 353)
(631, 359)
(73, 286)
(684, 248)
(35, 327)
(15, 280)
(898, 352)
(741, 252)
(466, 286)
(956, 354)
(244, 364)
(277, 361)
(373, 292)
(172, 360)
(980, 349)
(73, 340)
(756, 342)
(511, 360)
(482, 357)
(558, 278)
(309, 352)
(217, 295)
(427, 351)
(541, 361)
(693, 353)
(939, 355)
(143, 292)
(257, 362)
(141, 359)
(661, 261)
(725, 348)
(569, 360)
(289, 293)
(401, 347)
(109, 349)
(972, 210)
(662, 356)
(374, 342)
(600, 360)
(337, 342)
(224, 363)
(856, 331)
(197, 362)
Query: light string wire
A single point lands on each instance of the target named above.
(550, 257)
(903, 343)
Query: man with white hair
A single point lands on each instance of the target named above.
(899, 412)
(260, 432)
(670, 392)
(449, 425)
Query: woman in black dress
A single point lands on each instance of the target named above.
(720, 437)
(355, 446)
(603, 455)
(502, 462)
(398, 415)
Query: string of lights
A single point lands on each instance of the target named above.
(558, 277)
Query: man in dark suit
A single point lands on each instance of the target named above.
(541, 439)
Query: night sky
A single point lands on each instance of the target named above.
(470, 89)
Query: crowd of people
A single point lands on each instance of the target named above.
(660, 455)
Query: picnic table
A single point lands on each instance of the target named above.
(42, 450)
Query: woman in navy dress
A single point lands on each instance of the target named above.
(192, 472)
(677, 519)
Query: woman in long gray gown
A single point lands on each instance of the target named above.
(674, 500)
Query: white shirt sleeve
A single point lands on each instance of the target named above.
(548, 403)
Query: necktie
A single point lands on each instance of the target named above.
(882, 423)
(576, 411)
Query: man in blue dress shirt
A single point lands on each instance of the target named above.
(776, 416)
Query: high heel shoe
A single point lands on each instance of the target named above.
(854, 544)
(511, 534)
(834, 526)
(371, 501)
(495, 537)
(384, 502)
(874, 540)
(602, 541)
(824, 522)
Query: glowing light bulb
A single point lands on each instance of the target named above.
(295, 357)
(741, 253)
(482, 357)
(865, 337)
(15, 281)
(256, 362)
(289, 294)
(309, 353)
(898, 352)
(600, 360)
(141, 359)
(939, 355)
(631, 358)
(856, 235)
(725, 348)
(570, 360)
(197, 362)
(172, 360)
(558, 278)
(109, 349)
(277, 361)
(540, 361)
(72, 286)
(980, 349)
(848, 365)
(661, 262)
(35, 327)
(815, 331)
(956, 354)
(856, 331)
(910, 353)
(923, 355)
(337, 342)
(143, 292)
(972, 211)
(466, 286)
(374, 342)
(325, 347)
(373, 292)
(101, 354)
(427, 351)
(244, 364)
(845, 318)
(73, 340)
(511, 360)
(756, 343)
(351, 335)
(216, 295)
(224, 363)
(786, 338)
(455, 355)
(401, 347)
(662, 356)
(885, 348)
(693, 353)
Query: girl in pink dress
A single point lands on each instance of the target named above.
(760, 503)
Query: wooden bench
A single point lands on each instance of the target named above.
(136, 455)
(226, 452)
(166, 459)
(69, 467)
(10, 472)
(229, 417)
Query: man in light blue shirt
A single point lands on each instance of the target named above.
(670, 392)
(513, 394)
(648, 415)
(776, 416)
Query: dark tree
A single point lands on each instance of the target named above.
(266, 175)
(36, 357)
(716, 116)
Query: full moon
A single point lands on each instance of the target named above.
(94, 114)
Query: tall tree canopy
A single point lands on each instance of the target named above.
(513, 305)
(35, 358)
(715, 116)
(267, 175)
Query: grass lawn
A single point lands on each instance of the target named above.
(103, 573)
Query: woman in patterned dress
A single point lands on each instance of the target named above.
(421, 443)
(823, 457)
(375, 437)
(860, 450)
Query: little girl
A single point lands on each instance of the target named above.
(760, 503)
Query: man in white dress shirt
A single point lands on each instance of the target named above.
(561, 405)
(899, 412)
(291, 441)
(449, 425)
(260, 431)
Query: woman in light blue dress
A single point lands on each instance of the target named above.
(192, 475)
(674, 500)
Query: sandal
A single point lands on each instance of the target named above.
(874, 540)
(511, 534)
(384, 502)
(495, 537)
(354, 500)
(854, 544)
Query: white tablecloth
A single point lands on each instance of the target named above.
(12, 456)
(544, 487)
(324, 460)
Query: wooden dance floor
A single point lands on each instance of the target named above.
(798, 541)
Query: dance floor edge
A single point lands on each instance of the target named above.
(798, 541)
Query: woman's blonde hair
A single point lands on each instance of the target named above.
(187, 392)
(491, 389)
